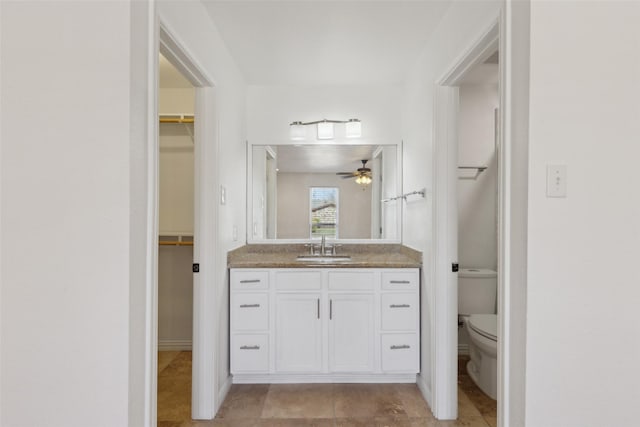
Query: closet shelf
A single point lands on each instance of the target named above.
(175, 239)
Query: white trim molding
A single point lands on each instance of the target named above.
(323, 378)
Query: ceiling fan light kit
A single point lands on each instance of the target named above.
(353, 129)
(362, 175)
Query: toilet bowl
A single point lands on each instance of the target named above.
(483, 350)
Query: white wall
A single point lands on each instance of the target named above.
(176, 213)
(354, 205)
(463, 22)
(477, 193)
(270, 110)
(477, 198)
(65, 213)
(175, 297)
(173, 100)
(583, 293)
(74, 193)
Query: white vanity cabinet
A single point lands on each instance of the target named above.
(324, 325)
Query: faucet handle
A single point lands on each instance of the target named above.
(310, 246)
(334, 247)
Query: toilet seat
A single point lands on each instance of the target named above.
(485, 325)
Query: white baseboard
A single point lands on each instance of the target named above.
(463, 349)
(425, 389)
(222, 393)
(174, 345)
(322, 378)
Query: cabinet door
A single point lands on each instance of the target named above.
(298, 333)
(351, 333)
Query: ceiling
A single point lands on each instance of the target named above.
(322, 158)
(325, 42)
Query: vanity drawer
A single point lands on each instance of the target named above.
(249, 279)
(249, 353)
(400, 352)
(399, 311)
(351, 280)
(298, 280)
(249, 311)
(400, 280)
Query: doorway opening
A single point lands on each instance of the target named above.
(176, 106)
(468, 215)
(477, 197)
(172, 226)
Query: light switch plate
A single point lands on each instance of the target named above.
(556, 181)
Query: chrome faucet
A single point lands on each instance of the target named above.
(323, 245)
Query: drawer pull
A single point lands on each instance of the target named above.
(399, 306)
(250, 347)
(400, 282)
(400, 347)
(249, 305)
(250, 281)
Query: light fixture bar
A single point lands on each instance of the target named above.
(353, 128)
(325, 121)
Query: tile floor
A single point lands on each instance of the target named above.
(319, 405)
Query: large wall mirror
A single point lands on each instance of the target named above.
(304, 192)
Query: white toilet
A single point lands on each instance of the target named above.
(477, 305)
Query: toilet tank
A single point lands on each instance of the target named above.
(477, 291)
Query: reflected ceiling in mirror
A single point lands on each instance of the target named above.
(283, 188)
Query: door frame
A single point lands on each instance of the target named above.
(444, 328)
(204, 393)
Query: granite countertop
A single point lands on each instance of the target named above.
(362, 256)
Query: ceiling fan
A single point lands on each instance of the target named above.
(362, 175)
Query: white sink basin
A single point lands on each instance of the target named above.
(323, 258)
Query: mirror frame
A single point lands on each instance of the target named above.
(341, 142)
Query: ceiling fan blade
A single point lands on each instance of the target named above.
(346, 173)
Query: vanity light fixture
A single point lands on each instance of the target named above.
(297, 131)
(353, 129)
(325, 130)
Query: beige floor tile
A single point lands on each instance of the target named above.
(463, 422)
(492, 421)
(486, 405)
(165, 358)
(232, 422)
(180, 366)
(423, 422)
(295, 422)
(413, 402)
(384, 422)
(244, 401)
(299, 401)
(367, 400)
(466, 408)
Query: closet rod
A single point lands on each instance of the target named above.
(175, 243)
(181, 120)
